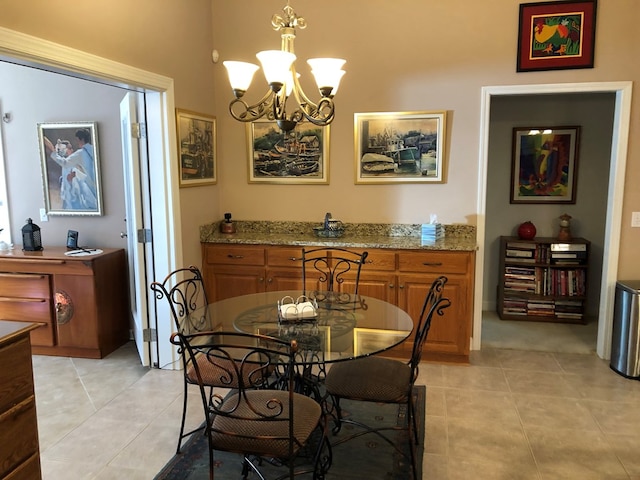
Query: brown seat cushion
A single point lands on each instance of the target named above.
(370, 379)
(266, 437)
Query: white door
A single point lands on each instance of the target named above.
(139, 251)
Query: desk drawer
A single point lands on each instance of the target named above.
(19, 435)
(434, 262)
(234, 255)
(24, 285)
(16, 380)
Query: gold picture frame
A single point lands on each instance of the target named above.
(300, 157)
(196, 134)
(400, 147)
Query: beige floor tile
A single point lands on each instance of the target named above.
(626, 448)
(616, 418)
(554, 412)
(474, 377)
(482, 440)
(530, 361)
(574, 454)
(481, 405)
(540, 383)
(435, 403)
(476, 469)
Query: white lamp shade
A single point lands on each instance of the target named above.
(240, 74)
(327, 72)
(276, 65)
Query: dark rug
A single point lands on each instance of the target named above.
(367, 456)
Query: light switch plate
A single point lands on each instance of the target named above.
(635, 219)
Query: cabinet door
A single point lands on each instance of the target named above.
(449, 333)
(283, 279)
(379, 285)
(223, 281)
(75, 311)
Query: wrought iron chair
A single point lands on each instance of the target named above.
(386, 380)
(185, 292)
(274, 425)
(332, 266)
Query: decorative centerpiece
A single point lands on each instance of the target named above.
(526, 231)
(565, 228)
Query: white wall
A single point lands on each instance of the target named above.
(33, 96)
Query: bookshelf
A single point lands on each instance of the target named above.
(543, 280)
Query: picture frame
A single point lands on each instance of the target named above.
(298, 157)
(368, 340)
(70, 163)
(556, 35)
(400, 147)
(545, 164)
(197, 140)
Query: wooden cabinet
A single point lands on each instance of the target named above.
(81, 302)
(401, 277)
(19, 455)
(543, 280)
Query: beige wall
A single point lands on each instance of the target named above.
(405, 55)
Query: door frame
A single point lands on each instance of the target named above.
(613, 223)
(167, 243)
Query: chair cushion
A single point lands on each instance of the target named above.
(374, 379)
(257, 437)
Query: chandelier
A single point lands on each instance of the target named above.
(280, 72)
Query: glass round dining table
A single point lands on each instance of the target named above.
(341, 326)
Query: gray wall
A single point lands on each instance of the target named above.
(33, 96)
(594, 114)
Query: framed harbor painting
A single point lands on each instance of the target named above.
(297, 157)
(369, 340)
(545, 164)
(196, 148)
(70, 168)
(556, 35)
(400, 147)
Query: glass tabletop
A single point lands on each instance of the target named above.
(343, 326)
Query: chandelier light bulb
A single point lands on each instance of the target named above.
(276, 66)
(240, 74)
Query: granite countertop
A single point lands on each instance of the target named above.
(356, 235)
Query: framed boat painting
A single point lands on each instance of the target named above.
(297, 157)
(545, 164)
(196, 148)
(400, 147)
(70, 168)
(556, 35)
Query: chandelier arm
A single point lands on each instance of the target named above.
(321, 113)
(249, 113)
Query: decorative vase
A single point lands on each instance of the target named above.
(526, 231)
(565, 228)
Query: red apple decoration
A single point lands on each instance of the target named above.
(526, 231)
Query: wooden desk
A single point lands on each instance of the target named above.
(82, 301)
(19, 451)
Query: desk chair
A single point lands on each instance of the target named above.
(256, 422)
(386, 380)
(332, 266)
(184, 291)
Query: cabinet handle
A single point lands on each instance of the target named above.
(22, 300)
(401, 286)
(432, 264)
(261, 279)
(235, 256)
(294, 259)
(28, 276)
(391, 285)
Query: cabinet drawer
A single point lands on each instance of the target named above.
(234, 255)
(434, 262)
(380, 260)
(284, 257)
(19, 435)
(24, 285)
(16, 380)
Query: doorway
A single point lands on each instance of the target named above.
(165, 211)
(622, 91)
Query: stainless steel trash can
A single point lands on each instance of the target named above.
(625, 341)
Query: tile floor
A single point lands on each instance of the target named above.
(510, 414)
